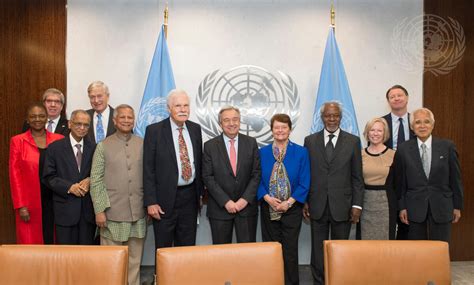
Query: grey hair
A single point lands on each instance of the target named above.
(123, 106)
(334, 103)
(227, 108)
(55, 92)
(77, 112)
(96, 84)
(173, 93)
(422, 110)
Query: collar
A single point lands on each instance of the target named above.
(335, 133)
(428, 142)
(227, 139)
(175, 127)
(55, 121)
(105, 113)
(395, 117)
(74, 142)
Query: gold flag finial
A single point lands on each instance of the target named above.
(166, 21)
(333, 16)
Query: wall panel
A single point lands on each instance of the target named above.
(451, 98)
(32, 59)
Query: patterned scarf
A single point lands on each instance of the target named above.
(279, 183)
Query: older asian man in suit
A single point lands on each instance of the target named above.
(428, 177)
(102, 124)
(53, 101)
(172, 152)
(231, 173)
(337, 188)
(66, 172)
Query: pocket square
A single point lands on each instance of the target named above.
(441, 157)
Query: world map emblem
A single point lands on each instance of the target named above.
(443, 46)
(258, 94)
(153, 111)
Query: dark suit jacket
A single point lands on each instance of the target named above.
(338, 181)
(441, 192)
(160, 168)
(222, 184)
(110, 127)
(388, 118)
(59, 173)
(62, 127)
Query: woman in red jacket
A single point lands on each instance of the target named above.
(25, 184)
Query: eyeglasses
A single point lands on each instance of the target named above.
(50, 102)
(79, 125)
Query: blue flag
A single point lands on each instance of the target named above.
(159, 83)
(333, 86)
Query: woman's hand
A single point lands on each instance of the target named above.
(273, 202)
(24, 214)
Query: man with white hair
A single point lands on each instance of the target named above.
(172, 182)
(428, 180)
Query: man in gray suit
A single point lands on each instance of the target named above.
(231, 173)
(336, 193)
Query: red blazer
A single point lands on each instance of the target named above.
(25, 183)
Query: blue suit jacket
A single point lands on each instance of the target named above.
(297, 166)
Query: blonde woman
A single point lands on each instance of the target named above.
(376, 163)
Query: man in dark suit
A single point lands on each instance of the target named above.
(172, 152)
(398, 121)
(397, 98)
(337, 188)
(231, 173)
(53, 101)
(66, 172)
(428, 177)
(102, 124)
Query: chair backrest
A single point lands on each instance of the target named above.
(63, 264)
(243, 263)
(386, 262)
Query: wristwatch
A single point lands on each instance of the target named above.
(289, 204)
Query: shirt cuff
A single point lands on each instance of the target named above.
(357, 207)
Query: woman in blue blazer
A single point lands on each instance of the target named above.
(283, 189)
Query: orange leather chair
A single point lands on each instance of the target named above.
(386, 262)
(244, 263)
(63, 264)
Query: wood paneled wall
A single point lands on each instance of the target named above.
(451, 98)
(32, 59)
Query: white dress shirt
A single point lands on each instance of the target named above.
(189, 147)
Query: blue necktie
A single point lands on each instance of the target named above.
(100, 135)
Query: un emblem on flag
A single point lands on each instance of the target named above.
(153, 111)
(258, 94)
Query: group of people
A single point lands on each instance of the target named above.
(96, 174)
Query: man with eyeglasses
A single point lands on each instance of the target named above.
(53, 101)
(66, 172)
(231, 173)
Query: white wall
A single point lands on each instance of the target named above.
(114, 41)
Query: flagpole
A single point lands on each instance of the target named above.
(333, 16)
(166, 21)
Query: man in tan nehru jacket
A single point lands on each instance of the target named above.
(117, 190)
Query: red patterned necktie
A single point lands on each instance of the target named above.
(186, 171)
